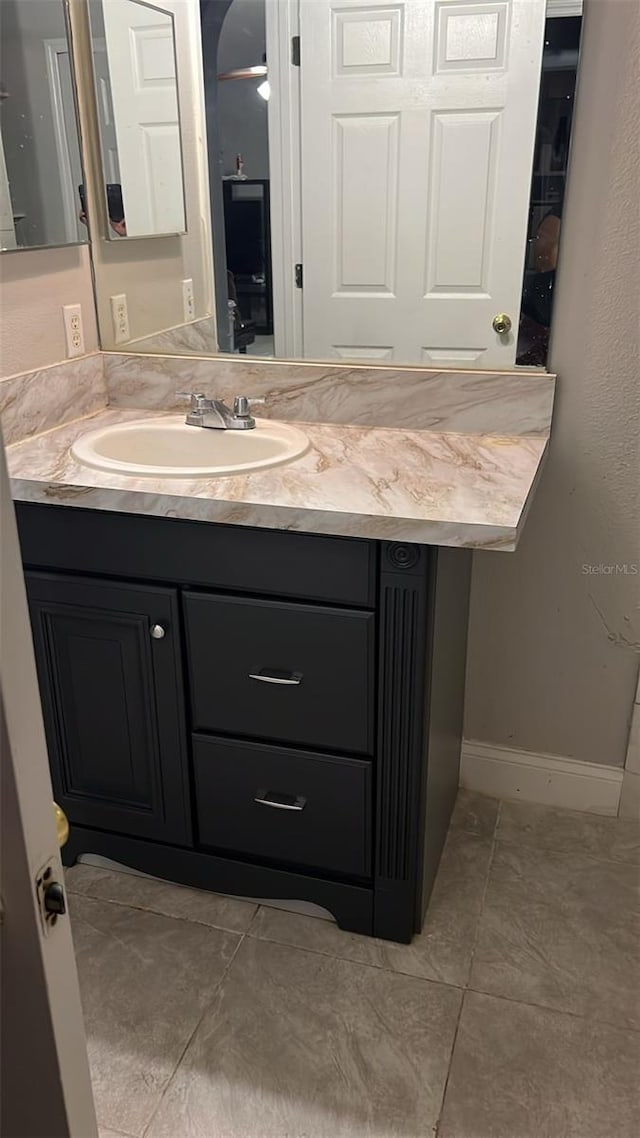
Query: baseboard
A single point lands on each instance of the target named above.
(550, 779)
(630, 796)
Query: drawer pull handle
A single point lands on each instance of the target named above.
(277, 676)
(280, 801)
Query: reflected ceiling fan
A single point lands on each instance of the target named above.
(257, 72)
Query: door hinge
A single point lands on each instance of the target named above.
(298, 276)
(295, 51)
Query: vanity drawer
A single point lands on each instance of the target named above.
(285, 805)
(289, 673)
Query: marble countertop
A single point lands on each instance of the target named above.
(428, 487)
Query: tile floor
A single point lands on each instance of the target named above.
(515, 1014)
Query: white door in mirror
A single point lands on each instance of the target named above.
(417, 125)
(168, 448)
(142, 66)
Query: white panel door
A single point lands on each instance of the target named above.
(105, 112)
(141, 52)
(46, 1087)
(418, 123)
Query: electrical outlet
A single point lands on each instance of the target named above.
(188, 303)
(120, 317)
(74, 335)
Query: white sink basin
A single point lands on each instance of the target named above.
(168, 448)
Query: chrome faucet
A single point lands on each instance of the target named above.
(214, 413)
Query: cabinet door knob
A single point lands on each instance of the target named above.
(157, 632)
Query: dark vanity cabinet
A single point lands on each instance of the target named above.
(256, 712)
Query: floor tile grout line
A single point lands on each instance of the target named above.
(252, 922)
(214, 993)
(449, 1066)
(476, 938)
(358, 963)
(555, 850)
(159, 913)
(498, 817)
(554, 1011)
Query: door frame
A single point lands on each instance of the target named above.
(45, 1069)
(285, 176)
(7, 225)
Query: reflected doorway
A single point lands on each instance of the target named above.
(548, 182)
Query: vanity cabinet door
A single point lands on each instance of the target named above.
(109, 672)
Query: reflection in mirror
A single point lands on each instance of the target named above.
(40, 167)
(551, 158)
(243, 92)
(134, 62)
(386, 181)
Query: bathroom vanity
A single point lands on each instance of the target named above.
(252, 672)
(254, 683)
(262, 713)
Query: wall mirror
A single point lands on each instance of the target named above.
(386, 181)
(40, 165)
(134, 65)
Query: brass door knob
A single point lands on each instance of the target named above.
(62, 825)
(501, 323)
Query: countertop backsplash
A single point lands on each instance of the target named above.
(507, 403)
(37, 401)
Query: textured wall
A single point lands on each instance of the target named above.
(553, 650)
(34, 285)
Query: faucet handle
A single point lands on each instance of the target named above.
(242, 406)
(242, 411)
(198, 399)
